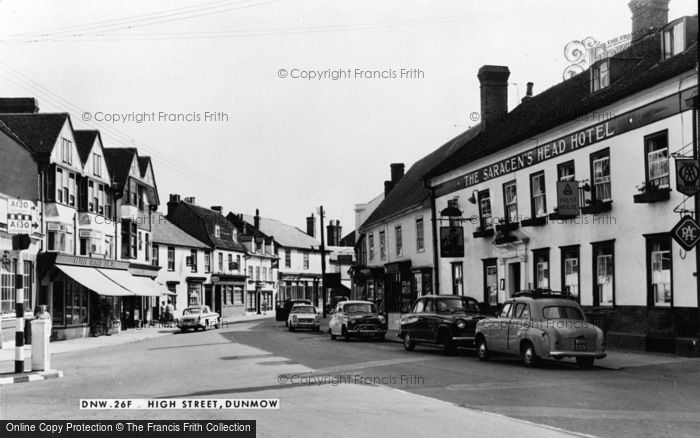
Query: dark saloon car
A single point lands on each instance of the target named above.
(448, 321)
(283, 308)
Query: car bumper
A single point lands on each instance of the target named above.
(593, 354)
(367, 332)
(189, 324)
(304, 324)
(464, 340)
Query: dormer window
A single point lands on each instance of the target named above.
(673, 41)
(66, 151)
(217, 231)
(97, 165)
(600, 75)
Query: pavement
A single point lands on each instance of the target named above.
(616, 359)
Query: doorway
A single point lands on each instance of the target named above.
(513, 278)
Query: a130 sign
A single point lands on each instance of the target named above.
(20, 216)
(686, 233)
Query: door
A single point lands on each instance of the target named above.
(217, 297)
(422, 327)
(499, 329)
(521, 317)
(513, 278)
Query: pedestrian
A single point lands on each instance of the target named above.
(264, 306)
(170, 312)
(161, 314)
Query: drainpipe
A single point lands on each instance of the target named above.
(436, 257)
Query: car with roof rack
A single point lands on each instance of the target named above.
(357, 319)
(541, 324)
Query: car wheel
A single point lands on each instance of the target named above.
(481, 350)
(529, 356)
(290, 328)
(204, 327)
(333, 337)
(408, 343)
(344, 334)
(585, 362)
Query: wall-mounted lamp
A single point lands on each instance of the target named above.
(472, 198)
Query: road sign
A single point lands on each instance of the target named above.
(21, 224)
(688, 176)
(686, 233)
(567, 198)
(21, 206)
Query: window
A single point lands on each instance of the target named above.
(565, 171)
(207, 261)
(287, 258)
(600, 75)
(171, 258)
(221, 262)
(59, 185)
(541, 268)
(194, 292)
(97, 165)
(148, 246)
(656, 148)
(84, 246)
(420, 235)
(674, 40)
(506, 311)
(217, 231)
(92, 197)
(522, 311)
(382, 245)
(485, 209)
(154, 255)
(257, 273)
(238, 262)
(491, 282)
(604, 274)
(7, 288)
(100, 199)
(141, 193)
(659, 271)
(306, 260)
(108, 247)
(570, 271)
(66, 151)
(457, 280)
(600, 175)
(237, 295)
(399, 243)
(371, 246)
(510, 202)
(264, 273)
(71, 189)
(193, 257)
(539, 195)
(250, 273)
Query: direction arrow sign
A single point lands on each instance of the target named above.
(688, 176)
(686, 233)
(21, 224)
(21, 206)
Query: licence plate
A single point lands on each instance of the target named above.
(579, 344)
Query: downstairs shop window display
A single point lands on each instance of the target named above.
(71, 302)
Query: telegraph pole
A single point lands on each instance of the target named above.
(693, 103)
(323, 262)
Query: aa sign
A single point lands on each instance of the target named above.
(688, 176)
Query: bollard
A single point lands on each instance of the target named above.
(41, 353)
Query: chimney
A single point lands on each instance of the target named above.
(528, 94)
(388, 186)
(256, 219)
(331, 233)
(494, 93)
(338, 233)
(18, 105)
(172, 203)
(647, 15)
(396, 172)
(217, 208)
(189, 200)
(311, 225)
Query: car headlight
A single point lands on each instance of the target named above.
(461, 324)
(294, 317)
(382, 319)
(353, 321)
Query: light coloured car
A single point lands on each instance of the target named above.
(304, 316)
(541, 324)
(198, 317)
(356, 319)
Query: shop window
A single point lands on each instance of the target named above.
(539, 195)
(603, 274)
(541, 268)
(656, 148)
(510, 202)
(659, 271)
(7, 288)
(457, 279)
(420, 235)
(194, 294)
(570, 271)
(237, 295)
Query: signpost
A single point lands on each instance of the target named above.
(567, 198)
(688, 176)
(20, 221)
(686, 233)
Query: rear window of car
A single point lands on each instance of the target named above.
(192, 311)
(450, 305)
(359, 308)
(303, 309)
(562, 312)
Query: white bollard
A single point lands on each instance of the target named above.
(41, 353)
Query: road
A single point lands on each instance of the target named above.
(371, 385)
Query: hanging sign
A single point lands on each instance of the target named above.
(686, 233)
(688, 176)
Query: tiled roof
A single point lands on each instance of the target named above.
(410, 192)
(285, 235)
(349, 239)
(84, 140)
(210, 218)
(119, 162)
(39, 131)
(4, 128)
(166, 233)
(571, 99)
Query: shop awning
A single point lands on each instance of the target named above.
(137, 285)
(94, 280)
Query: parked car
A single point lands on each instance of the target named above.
(356, 319)
(541, 324)
(284, 307)
(196, 317)
(448, 321)
(334, 302)
(304, 316)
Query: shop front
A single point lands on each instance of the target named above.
(226, 295)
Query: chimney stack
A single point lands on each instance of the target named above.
(217, 208)
(528, 94)
(333, 232)
(396, 172)
(494, 93)
(172, 203)
(18, 105)
(647, 15)
(311, 225)
(256, 219)
(388, 186)
(189, 200)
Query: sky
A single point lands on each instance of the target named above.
(286, 105)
